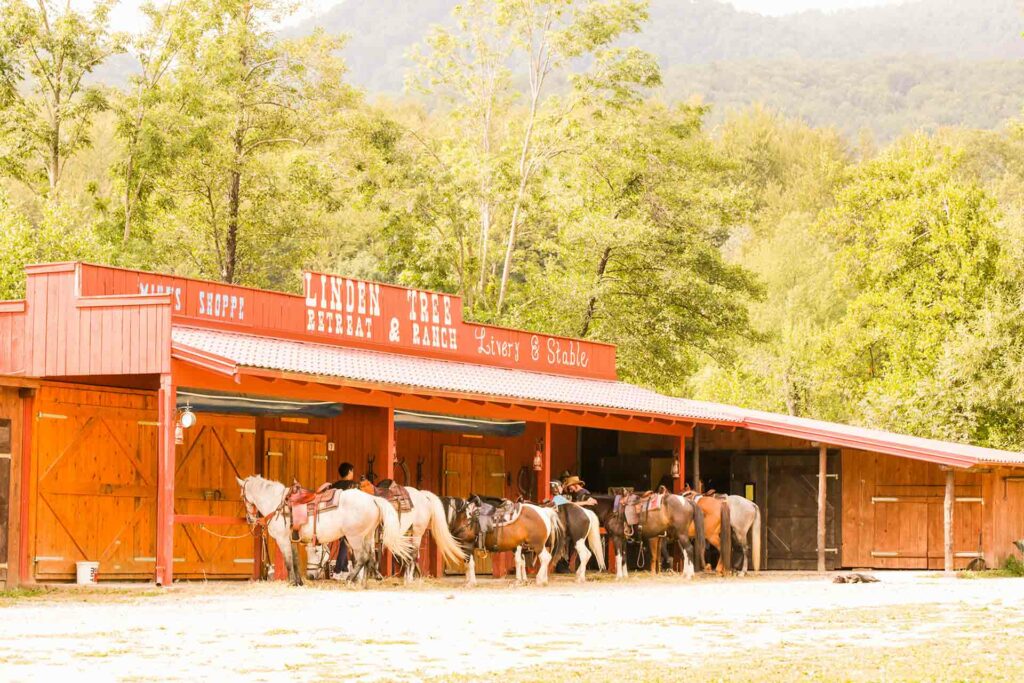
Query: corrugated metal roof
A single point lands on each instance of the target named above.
(427, 373)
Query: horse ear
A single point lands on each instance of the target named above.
(241, 482)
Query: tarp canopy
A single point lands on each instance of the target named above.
(236, 404)
(433, 422)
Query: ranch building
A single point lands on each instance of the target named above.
(99, 365)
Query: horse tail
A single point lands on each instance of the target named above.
(594, 539)
(557, 534)
(755, 542)
(450, 549)
(394, 540)
(700, 544)
(725, 539)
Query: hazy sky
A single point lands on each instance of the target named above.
(126, 16)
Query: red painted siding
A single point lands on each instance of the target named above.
(12, 337)
(71, 335)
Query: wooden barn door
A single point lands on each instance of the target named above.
(94, 484)
(791, 511)
(474, 470)
(216, 450)
(291, 456)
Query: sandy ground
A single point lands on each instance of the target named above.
(437, 629)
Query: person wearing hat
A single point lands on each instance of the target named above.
(574, 489)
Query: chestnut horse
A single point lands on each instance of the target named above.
(717, 527)
(535, 529)
(673, 520)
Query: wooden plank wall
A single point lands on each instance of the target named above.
(12, 337)
(70, 336)
(1003, 513)
(361, 430)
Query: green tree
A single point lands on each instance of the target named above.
(48, 105)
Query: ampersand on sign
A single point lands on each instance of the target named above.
(534, 347)
(393, 332)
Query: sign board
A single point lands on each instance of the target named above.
(347, 311)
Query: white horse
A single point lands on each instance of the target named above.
(428, 513)
(745, 517)
(357, 518)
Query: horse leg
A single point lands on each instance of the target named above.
(410, 569)
(471, 569)
(290, 561)
(545, 561)
(654, 548)
(620, 556)
(520, 565)
(583, 555)
(687, 551)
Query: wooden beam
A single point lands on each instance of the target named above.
(28, 420)
(167, 415)
(681, 454)
(947, 520)
(697, 486)
(822, 479)
(544, 475)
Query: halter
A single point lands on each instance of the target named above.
(252, 513)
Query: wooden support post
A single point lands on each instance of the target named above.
(544, 475)
(28, 420)
(947, 520)
(681, 481)
(389, 473)
(822, 480)
(167, 416)
(696, 461)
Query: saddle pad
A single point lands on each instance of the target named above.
(655, 502)
(505, 521)
(300, 514)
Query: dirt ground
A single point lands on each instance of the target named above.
(909, 626)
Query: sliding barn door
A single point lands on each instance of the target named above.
(469, 471)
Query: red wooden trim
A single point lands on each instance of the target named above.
(203, 359)
(681, 481)
(41, 268)
(123, 300)
(219, 520)
(13, 306)
(860, 443)
(27, 421)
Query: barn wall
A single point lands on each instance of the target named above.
(1003, 514)
(892, 513)
(12, 337)
(67, 335)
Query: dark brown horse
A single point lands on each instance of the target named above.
(717, 527)
(672, 520)
(479, 523)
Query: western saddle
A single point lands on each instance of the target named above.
(491, 513)
(634, 506)
(304, 503)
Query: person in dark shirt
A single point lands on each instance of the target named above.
(346, 474)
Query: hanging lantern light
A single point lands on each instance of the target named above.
(186, 419)
(179, 434)
(538, 456)
(675, 465)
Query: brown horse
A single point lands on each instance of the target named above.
(672, 521)
(498, 525)
(717, 527)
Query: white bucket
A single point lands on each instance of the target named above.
(86, 572)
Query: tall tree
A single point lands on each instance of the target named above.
(54, 48)
(246, 102)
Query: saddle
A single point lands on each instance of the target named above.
(304, 503)
(490, 517)
(394, 493)
(634, 507)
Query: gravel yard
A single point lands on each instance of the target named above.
(660, 628)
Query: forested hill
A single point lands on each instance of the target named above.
(888, 69)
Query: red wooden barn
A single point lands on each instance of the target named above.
(97, 364)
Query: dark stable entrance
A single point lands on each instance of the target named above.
(784, 484)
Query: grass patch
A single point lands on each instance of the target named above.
(20, 593)
(1012, 568)
(97, 654)
(280, 632)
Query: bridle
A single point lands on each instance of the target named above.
(252, 513)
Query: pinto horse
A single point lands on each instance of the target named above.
(535, 529)
(357, 517)
(582, 528)
(717, 526)
(673, 520)
(427, 514)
